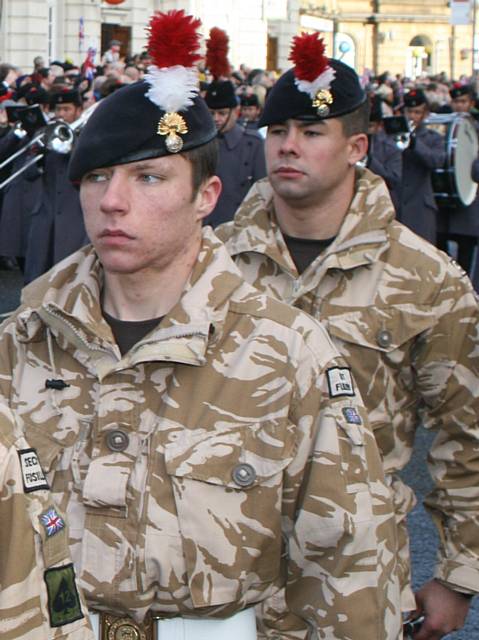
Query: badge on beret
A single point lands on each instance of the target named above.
(313, 75)
(173, 77)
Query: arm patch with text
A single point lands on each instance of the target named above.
(340, 382)
(32, 472)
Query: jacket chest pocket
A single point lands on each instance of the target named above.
(381, 345)
(227, 489)
(369, 336)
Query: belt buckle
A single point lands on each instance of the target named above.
(125, 628)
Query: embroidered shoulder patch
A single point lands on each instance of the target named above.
(32, 472)
(351, 415)
(340, 382)
(63, 599)
(51, 522)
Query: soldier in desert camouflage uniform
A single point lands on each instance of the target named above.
(205, 442)
(320, 234)
(39, 597)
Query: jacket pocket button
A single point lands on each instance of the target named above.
(384, 338)
(244, 475)
(117, 440)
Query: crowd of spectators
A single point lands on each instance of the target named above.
(93, 81)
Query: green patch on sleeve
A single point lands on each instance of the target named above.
(63, 599)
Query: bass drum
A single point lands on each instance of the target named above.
(452, 184)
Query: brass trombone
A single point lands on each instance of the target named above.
(55, 136)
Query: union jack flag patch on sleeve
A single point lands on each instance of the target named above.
(51, 522)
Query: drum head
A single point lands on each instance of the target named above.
(465, 153)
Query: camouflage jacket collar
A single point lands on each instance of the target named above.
(66, 302)
(362, 236)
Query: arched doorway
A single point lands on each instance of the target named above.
(419, 56)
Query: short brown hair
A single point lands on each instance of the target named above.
(357, 121)
(203, 160)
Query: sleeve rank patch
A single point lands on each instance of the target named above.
(351, 415)
(340, 382)
(63, 600)
(32, 472)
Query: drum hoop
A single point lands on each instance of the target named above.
(454, 122)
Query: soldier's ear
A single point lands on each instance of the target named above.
(357, 148)
(208, 195)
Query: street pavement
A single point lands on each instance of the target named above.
(423, 534)
(424, 539)
(10, 285)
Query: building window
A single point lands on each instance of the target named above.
(52, 21)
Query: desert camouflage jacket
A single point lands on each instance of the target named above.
(39, 596)
(406, 319)
(226, 455)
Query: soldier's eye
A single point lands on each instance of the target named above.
(95, 177)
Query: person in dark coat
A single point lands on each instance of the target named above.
(426, 152)
(384, 157)
(20, 197)
(460, 223)
(57, 227)
(241, 152)
(250, 111)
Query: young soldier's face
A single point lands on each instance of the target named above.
(308, 161)
(462, 104)
(250, 112)
(142, 216)
(417, 114)
(68, 112)
(225, 119)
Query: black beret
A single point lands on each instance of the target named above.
(415, 98)
(286, 101)
(221, 95)
(37, 95)
(124, 128)
(459, 90)
(24, 90)
(250, 100)
(64, 96)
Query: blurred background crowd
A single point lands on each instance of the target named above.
(40, 215)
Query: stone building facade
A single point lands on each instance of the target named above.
(406, 36)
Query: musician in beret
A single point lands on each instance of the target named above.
(459, 223)
(250, 110)
(426, 151)
(56, 229)
(463, 99)
(241, 150)
(384, 157)
(320, 232)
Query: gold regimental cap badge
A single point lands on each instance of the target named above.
(321, 102)
(172, 125)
